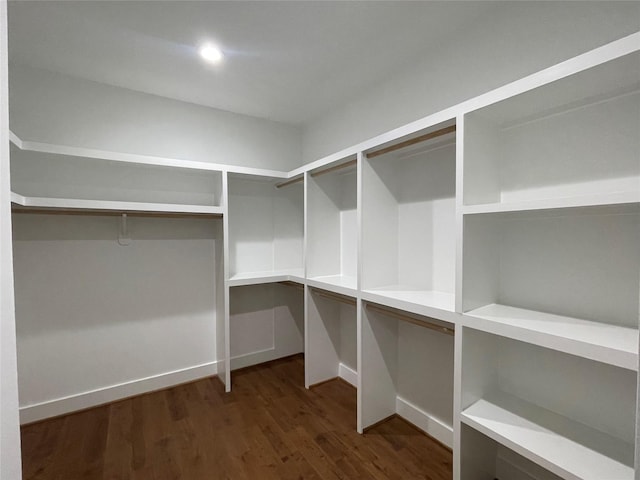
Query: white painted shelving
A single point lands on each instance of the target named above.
(332, 227)
(266, 230)
(409, 223)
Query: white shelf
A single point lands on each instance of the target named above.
(106, 205)
(342, 284)
(438, 305)
(256, 278)
(607, 343)
(562, 446)
(614, 198)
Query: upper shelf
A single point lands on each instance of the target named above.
(69, 205)
(256, 278)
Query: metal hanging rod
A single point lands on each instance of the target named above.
(110, 213)
(413, 141)
(290, 182)
(335, 296)
(406, 318)
(295, 285)
(334, 168)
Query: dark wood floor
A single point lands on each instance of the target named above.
(269, 427)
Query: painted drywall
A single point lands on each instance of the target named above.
(54, 108)
(10, 460)
(95, 318)
(506, 44)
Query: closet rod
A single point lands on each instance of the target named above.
(110, 213)
(334, 296)
(406, 318)
(334, 168)
(413, 141)
(295, 285)
(290, 182)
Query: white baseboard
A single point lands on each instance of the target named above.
(424, 421)
(261, 356)
(349, 375)
(100, 396)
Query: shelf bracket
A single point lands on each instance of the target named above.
(123, 235)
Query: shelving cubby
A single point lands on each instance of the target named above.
(573, 142)
(266, 322)
(409, 224)
(331, 349)
(266, 230)
(565, 279)
(332, 227)
(47, 180)
(406, 369)
(567, 414)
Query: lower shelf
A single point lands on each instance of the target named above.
(342, 284)
(562, 446)
(602, 342)
(430, 303)
(256, 278)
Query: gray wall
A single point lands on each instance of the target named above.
(54, 108)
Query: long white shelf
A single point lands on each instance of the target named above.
(565, 447)
(603, 342)
(342, 284)
(109, 205)
(430, 303)
(274, 276)
(614, 198)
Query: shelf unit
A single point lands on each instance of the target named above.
(332, 227)
(406, 369)
(573, 142)
(266, 230)
(331, 342)
(265, 322)
(43, 180)
(567, 414)
(409, 220)
(566, 279)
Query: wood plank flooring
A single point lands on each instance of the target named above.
(269, 427)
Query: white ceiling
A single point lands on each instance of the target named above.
(285, 61)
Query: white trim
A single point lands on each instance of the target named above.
(101, 396)
(348, 374)
(425, 421)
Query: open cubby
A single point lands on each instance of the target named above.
(571, 142)
(266, 230)
(331, 338)
(332, 229)
(406, 369)
(53, 177)
(570, 415)
(266, 322)
(409, 226)
(565, 279)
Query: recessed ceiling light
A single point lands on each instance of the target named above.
(211, 53)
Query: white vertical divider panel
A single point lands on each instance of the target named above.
(359, 304)
(378, 367)
(457, 363)
(222, 327)
(307, 291)
(10, 464)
